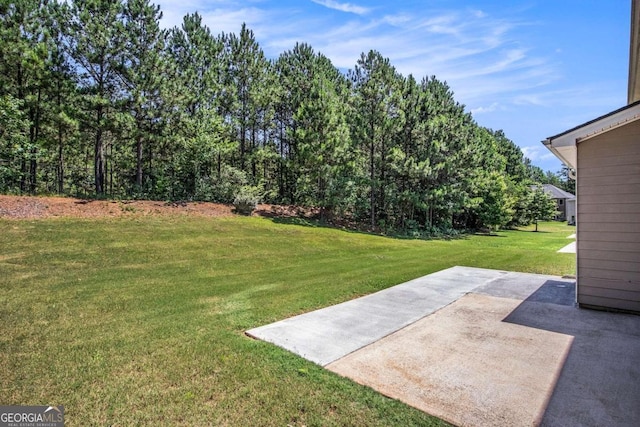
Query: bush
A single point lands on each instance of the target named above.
(247, 199)
(221, 189)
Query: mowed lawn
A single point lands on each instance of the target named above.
(140, 320)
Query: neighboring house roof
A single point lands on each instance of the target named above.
(564, 144)
(555, 192)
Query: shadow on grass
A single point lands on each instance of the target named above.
(522, 230)
(319, 223)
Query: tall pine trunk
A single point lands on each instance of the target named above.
(99, 157)
(60, 159)
(60, 163)
(34, 136)
(372, 175)
(139, 146)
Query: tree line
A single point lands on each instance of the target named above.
(97, 100)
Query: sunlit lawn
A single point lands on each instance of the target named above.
(140, 320)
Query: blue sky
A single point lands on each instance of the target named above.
(533, 68)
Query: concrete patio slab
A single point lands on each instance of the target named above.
(326, 335)
(507, 349)
(533, 287)
(599, 384)
(464, 365)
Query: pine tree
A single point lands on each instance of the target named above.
(316, 162)
(95, 42)
(63, 98)
(322, 139)
(375, 99)
(24, 77)
(248, 70)
(294, 69)
(13, 126)
(145, 73)
(204, 120)
(447, 129)
(186, 114)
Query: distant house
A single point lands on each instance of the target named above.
(565, 202)
(605, 155)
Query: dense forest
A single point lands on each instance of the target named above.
(97, 100)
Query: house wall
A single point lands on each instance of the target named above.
(571, 210)
(561, 208)
(608, 214)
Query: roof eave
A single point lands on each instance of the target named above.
(564, 156)
(564, 144)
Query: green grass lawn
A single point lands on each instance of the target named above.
(140, 320)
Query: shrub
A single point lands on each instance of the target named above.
(222, 188)
(247, 199)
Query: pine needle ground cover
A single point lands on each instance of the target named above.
(140, 320)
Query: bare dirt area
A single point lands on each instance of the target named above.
(28, 207)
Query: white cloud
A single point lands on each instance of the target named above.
(447, 24)
(174, 11)
(230, 21)
(454, 46)
(478, 13)
(480, 110)
(397, 20)
(343, 7)
(587, 96)
(537, 153)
